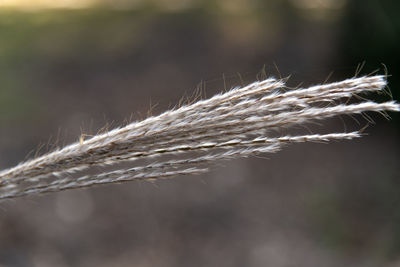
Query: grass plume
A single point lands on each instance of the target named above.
(237, 123)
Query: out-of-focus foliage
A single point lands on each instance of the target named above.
(77, 65)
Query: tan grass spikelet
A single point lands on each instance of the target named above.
(236, 123)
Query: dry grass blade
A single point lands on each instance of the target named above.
(237, 123)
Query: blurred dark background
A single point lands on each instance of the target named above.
(69, 67)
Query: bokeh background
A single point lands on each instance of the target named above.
(72, 66)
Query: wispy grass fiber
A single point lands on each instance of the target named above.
(187, 140)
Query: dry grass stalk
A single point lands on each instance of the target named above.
(238, 123)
